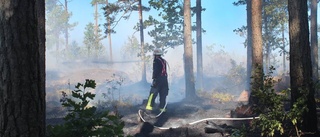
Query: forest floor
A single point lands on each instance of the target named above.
(183, 118)
(203, 117)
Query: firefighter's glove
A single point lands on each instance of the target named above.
(154, 84)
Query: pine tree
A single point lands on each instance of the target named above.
(22, 63)
(188, 54)
(92, 41)
(300, 62)
(257, 58)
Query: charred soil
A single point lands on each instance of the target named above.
(186, 118)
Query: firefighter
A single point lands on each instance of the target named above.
(159, 82)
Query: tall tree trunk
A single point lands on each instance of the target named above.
(300, 61)
(96, 19)
(144, 76)
(283, 50)
(267, 61)
(199, 47)
(266, 38)
(314, 41)
(109, 35)
(57, 46)
(67, 24)
(257, 54)
(110, 42)
(22, 80)
(96, 27)
(249, 46)
(188, 54)
(41, 95)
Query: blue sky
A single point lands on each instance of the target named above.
(219, 20)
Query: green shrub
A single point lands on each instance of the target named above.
(273, 117)
(241, 132)
(83, 120)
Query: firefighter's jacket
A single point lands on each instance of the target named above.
(159, 74)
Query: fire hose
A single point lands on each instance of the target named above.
(198, 121)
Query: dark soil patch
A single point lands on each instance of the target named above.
(185, 118)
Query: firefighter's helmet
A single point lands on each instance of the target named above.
(157, 51)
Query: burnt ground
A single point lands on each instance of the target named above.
(174, 123)
(192, 119)
(185, 118)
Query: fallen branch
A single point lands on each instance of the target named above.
(213, 128)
